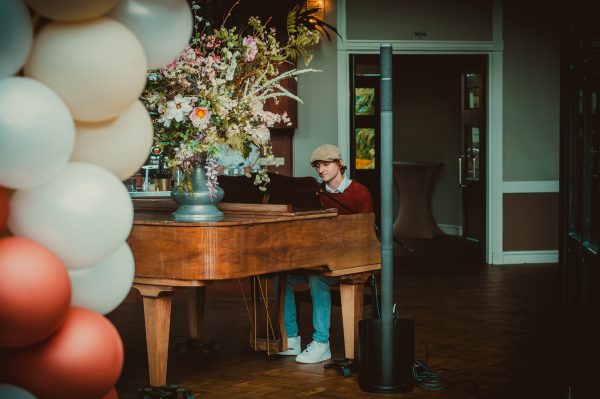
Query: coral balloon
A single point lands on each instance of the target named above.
(103, 287)
(82, 215)
(35, 292)
(16, 32)
(112, 394)
(83, 359)
(120, 145)
(36, 131)
(13, 392)
(98, 67)
(71, 10)
(163, 27)
(3, 208)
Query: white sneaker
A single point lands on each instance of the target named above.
(294, 345)
(315, 352)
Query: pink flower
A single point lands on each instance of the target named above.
(251, 49)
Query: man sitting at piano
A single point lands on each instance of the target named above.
(348, 197)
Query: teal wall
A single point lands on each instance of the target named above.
(531, 80)
(398, 19)
(531, 92)
(317, 116)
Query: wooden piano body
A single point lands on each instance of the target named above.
(253, 239)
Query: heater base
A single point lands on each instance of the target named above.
(370, 376)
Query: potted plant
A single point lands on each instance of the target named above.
(212, 98)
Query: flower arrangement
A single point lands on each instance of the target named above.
(211, 98)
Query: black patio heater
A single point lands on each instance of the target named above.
(386, 348)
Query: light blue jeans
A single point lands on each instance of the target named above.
(321, 298)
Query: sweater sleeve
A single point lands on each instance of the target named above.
(363, 199)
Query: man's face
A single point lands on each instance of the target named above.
(327, 170)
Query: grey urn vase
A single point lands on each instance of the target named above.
(197, 206)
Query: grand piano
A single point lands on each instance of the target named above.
(287, 234)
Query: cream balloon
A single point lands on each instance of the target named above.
(16, 32)
(163, 27)
(37, 133)
(103, 286)
(71, 10)
(97, 67)
(119, 145)
(82, 214)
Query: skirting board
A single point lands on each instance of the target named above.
(521, 257)
(451, 229)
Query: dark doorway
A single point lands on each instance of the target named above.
(440, 118)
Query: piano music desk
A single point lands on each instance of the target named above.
(252, 240)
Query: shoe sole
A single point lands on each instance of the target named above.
(289, 353)
(325, 357)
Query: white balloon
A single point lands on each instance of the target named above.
(14, 392)
(119, 145)
(103, 286)
(82, 214)
(97, 67)
(163, 27)
(37, 133)
(71, 10)
(16, 36)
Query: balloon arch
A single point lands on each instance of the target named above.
(71, 130)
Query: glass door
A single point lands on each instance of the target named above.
(580, 201)
(364, 124)
(471, 162)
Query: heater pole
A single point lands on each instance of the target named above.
(386, 349)
(387, 239)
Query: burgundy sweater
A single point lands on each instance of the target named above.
(355, 199)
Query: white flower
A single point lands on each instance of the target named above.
(262, 133)
(177, 109)
(232, 66)
(256, 106)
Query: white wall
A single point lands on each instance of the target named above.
(317, 116)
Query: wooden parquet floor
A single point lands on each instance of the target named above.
(489, 331)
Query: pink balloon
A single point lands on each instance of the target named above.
(35, 292)
(112, 394)
(82, 360)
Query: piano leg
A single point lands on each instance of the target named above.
(352, 297)
(195, 311)
(196, 297)
(157, 317)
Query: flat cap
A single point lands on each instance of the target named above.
(325, 152)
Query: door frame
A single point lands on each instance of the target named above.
(494, 50)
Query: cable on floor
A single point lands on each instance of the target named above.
(427, 378)
(424, 376)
